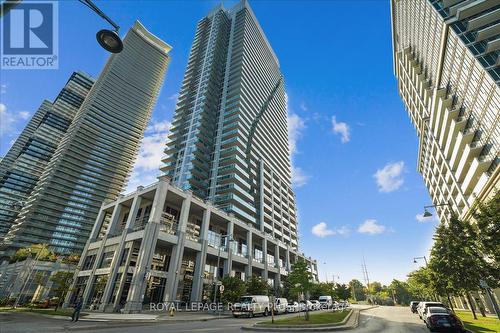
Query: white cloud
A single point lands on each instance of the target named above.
(321, 230)
(7, 120)
(173, 97)
(390, 177)
(296, 125)
(24, 115)
(342, 129)
(299, 177)
(422, 219)
(303, 106)
(371, 227)
(147, 165)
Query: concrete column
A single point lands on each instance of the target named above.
(277, 277)
(201, 258)
(264, 254)
(228, 263)
(146, 251)
(248, 268)
(115, 220)
(138, 283)
(97, 226)
(115, 263)
(93, 236)
(177, 252)
(287, 259)
(88, 288)
(116, 303)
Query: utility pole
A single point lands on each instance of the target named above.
(366, 277)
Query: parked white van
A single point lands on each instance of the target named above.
(326, 302)
(252, 305)
(280, 305)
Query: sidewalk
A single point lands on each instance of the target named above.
(152, 316)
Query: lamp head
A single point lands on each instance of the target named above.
(109, 40)
(414, 261)
(427, 213)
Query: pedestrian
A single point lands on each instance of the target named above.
(76, 311)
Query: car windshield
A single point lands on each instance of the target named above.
(428, 305)
(246, 300)
(437, 310)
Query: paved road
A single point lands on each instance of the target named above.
(381, 319)
(390, 319)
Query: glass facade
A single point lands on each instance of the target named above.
(24, 163)
(95, 156)
(229, 137)
(446, 57)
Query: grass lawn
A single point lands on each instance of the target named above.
(59, 312)
(327, 317)
(481, 325)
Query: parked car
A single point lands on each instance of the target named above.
(425, 305)
(429, 311)
(316, 304)
(280, 305)
(413, 306)
(343, 304)
(307, 305)
(326, 302)
(447, 323)
(293, 307)
(252, 305)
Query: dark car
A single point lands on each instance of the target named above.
(446, 323)
(413, 306)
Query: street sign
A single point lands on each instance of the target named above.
(221, 288)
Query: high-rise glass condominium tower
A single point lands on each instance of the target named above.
(446, 61)
(95, 156)
(229, 139)
(25, 161)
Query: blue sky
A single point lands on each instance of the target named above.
(354, 148)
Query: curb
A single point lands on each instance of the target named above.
(309, 328)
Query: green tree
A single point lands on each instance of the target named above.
(487, 228)
(322, 289)
(62, 281)
(375, 287)
(300, 279)
(419, 284)
(234, 288)
(255, 286)
(357, 290)
(38, 251)
(455, 258)
(400, 292)
(342, 291)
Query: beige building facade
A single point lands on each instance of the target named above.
(447, 65)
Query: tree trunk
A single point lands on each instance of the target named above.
(471, 305)
(451, 303)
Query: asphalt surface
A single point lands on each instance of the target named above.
(381, 319)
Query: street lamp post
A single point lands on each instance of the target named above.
(429, 214)
(423, 257)
(216, 280)
(108, 39)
